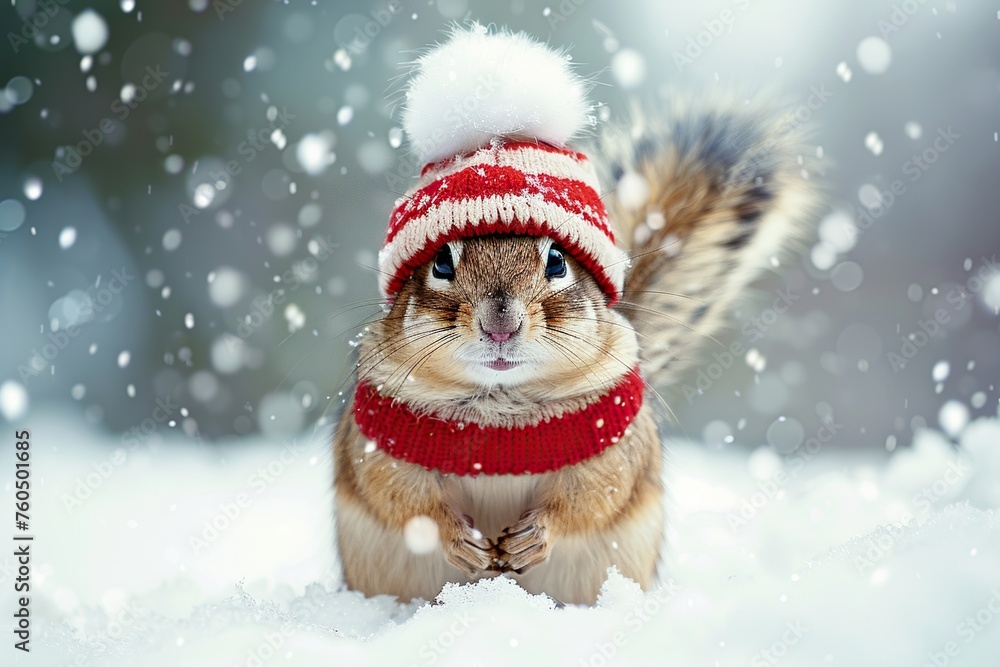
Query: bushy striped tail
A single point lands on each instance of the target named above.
(702, 199)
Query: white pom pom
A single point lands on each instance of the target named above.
(477, 86)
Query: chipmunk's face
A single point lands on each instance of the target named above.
(502, 310)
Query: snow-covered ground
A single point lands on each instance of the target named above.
(175, 553)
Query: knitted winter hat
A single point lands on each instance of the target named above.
(490, 116)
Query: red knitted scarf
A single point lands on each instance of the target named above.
(471, 449)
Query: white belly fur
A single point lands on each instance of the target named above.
(573, 572)
(497, 501)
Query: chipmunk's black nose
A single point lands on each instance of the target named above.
(500, 316)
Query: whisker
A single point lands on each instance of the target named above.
(650, 291)
(565, 351)
(659, 346)
(446, 338)
(602, 350)
(639, 255)
(407, 337)
(416, 366)
(675, 319)
(375, 269)
(381, 348)
(376, 319)
(334, 314)
(648, 386)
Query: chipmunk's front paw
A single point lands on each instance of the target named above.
(525, 544)
(467, 549)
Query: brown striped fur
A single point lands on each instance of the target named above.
(727, 189)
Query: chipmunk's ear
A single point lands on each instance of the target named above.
(478, 85)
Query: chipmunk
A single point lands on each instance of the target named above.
(501, 405)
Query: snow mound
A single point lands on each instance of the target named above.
(842, 557)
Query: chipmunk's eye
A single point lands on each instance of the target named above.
(444, 265)
(555, 267)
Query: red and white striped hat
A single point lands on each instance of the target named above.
(490, 115)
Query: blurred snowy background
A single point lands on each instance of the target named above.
(191, 197)
(242, 159)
